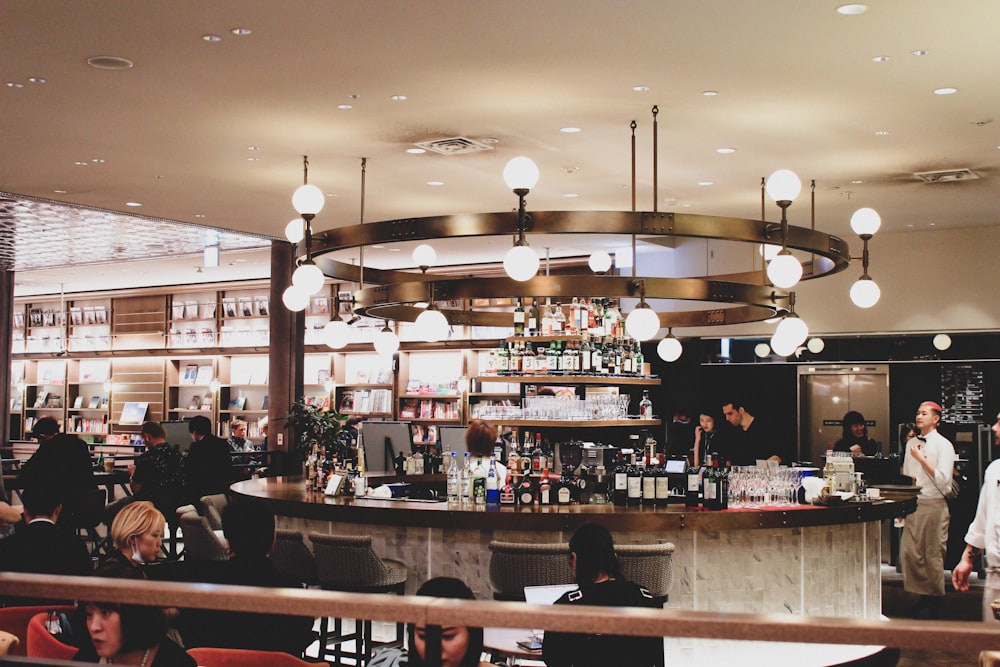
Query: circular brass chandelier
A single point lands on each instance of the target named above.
(735, 298)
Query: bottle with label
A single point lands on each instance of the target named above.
(545, 489)
(564, 490)
(722, 488)
(513, 458)
(528, 362)
(519, 319)
(465, 480)
(418, 463)
(662, 487)
(479, 482)
(492, 484)
(503, 361)
(508, 494)
(619, 490)
(559, 320)
(453, 478)
(526, 492)
(634, 485)
(533, 318)
(585, 357)
(692, 491)
(596, 358)
(645, 406)
(546, 323)
(649, 486)
(710, 489)
(538, 460)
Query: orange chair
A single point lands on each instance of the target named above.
(15, 621)
(238, 657)
(43, 645)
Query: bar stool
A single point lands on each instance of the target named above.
(292, 557)
(86, 515)
(211, 508)
(514, 565)
(649, 565)
(201, 543)
(347, 563)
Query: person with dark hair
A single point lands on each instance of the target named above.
(128, 634)
(753, 441)
(854, 437)
(208, 467)
(461, 646)
(61, 464)
(157, 476)
(930, 461)
(480, 436)
(249, 528)
(40, 546)
(708, 439)
(45, 429)
(597, 573)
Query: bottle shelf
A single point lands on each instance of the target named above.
(570, 379)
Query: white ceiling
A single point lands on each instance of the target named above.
(796, 81)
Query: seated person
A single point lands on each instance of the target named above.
(128, 634)
(136, 535)
(62, 463)
(157, 476)
(596, 570)
(854, 437)
(249, 528)
(460, 646)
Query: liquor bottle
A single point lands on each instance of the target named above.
(546, 323)
(554, 357)
(526, 492)
(596, 358)
(513, 458)
(479, 482)
(693, 487)
(533, 319)
(640, 361)
(453, 478)
(542, 361)
(503, 361)
(634, 485)
(620, 487)
(528, 360)
(573, 323)
(585, 367)
(538, 460)
(508, 495)
(564, 490)
(418, 463)
(597, 328)
(361, 479)
(545, 489)
(645, 406)
(649, 486)
(662, 487)
(519, 318)
(514, 360)
(710, 489)
(465, 480)
(722, 484)
(558, 320)
(492, 484)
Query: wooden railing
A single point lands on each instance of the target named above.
(938, 636)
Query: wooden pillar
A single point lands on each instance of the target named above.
(285, 359)
(6, 335)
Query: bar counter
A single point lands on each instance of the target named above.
(815, 560)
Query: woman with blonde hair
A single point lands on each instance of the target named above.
(480, 436)
(137, 534)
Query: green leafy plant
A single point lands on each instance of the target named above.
(310, 424)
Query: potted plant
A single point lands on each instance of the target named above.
(312, 424)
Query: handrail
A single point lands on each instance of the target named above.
(911, 634)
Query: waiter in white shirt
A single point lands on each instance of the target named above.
(930, 461)
(984, 535)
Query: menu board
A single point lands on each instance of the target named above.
(962, 393)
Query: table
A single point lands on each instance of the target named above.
(109, 480)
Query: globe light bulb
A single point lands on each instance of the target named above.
(336, 334)
(521, 263)
(386, 342)
(599, 261)
(768, 251)
(815, 345)
(432, 325)
(642, 323)
(762, 350)
(295, 298)
(308, 200)
(784, 270)
(865, 293)
(424, 255)
(782, 348)
(865, 221)
(783, 185)
(942, 341)
(669, 349)
(792, 331)
(308, 277)
(520, 173)
(295, 230)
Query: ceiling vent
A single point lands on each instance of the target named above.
(454, 146)
(946, 175)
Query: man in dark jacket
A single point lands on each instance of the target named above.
(62, 465)
(207, 466)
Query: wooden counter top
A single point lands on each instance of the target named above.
(287, 497)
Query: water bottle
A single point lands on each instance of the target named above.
(453, 496)
(492, 484)
(465, 483)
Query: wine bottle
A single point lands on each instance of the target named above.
(519, 318)
(662, 487)
(649, 486)
(634, 485)
(691, 493)
(545, 489)
(620, 487)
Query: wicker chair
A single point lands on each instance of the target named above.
(514, 565)
(201, 543)
(649, 565)
(293, 559)
(348, 563)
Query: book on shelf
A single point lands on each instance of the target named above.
(195, 403)
(190, 310)
(16, 403)
(207, 336)
(19, 320)
(100, 315)
(408, 408)
(104, 401)
(133, 413)
(208, 310)
(347, 401)
(265, 403)
(95, 401)
(78, 402)
(229, 306)
(191, 336)
(261, 303)
(322, 375)
(246, 306)
(48, 317)
(40, 399)
(238, 403)
(35, 317)
(206, 402)
(320, 305)
(426, 409)
(76, 315)
(177, 310)
(190, 374)
(204, 375)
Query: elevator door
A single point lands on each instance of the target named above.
(825, 395)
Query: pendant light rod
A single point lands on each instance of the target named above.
(361, 221)
(656, 198)
(633, 125)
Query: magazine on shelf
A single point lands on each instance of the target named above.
(100, 315)
(206, 402)
(207, 336)
(76, 315)
(104, 401)
(229, 306)
(347, 401)
(49, 318)
(53, 401)
(261, 303)
(208, 310)
(78, 402)
(408, 408)
(190, 310)
(133, 413)
(204, 375)
(322, 375)
(16, 403)
(238, 403)
(19, 320)
(190, 374)
(264, 404)
(35, 317)
(95, 402)
(246, 306)
(177, 310)
(320, 305)
(195, 403)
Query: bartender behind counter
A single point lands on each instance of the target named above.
(855, 438)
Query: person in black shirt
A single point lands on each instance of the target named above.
(854, 437)
(753, 439)
(596, 570)
(208, 467)
(157, 476)
(61, 464)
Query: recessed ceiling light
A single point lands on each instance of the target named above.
(489, 140)
(932, 224)
(435, 183)
(212, 38)
(909, 225)
(571, 195)
(377, 246)
(199, 215)
(97, 160)
(570, 130)
(110, 62)
(881, 133)
(706, 182)
(945, 91)
(852, 9)
(15, 84)
(241, 32)
(82, 163)
(133, 204)
(640, 89)
(919, 52)
(253, 158)
(857, 182)
(253, 148)
(345, 107)
(59, 192)
(36, 79)
(569, 168)
(394, 249)
(725, 151)
(880, 59)
(709, 93)
(416, 151)
(686, 205)
(398, 98)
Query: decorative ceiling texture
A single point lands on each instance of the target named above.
(37, 233)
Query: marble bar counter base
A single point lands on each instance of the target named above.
(800, 560)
